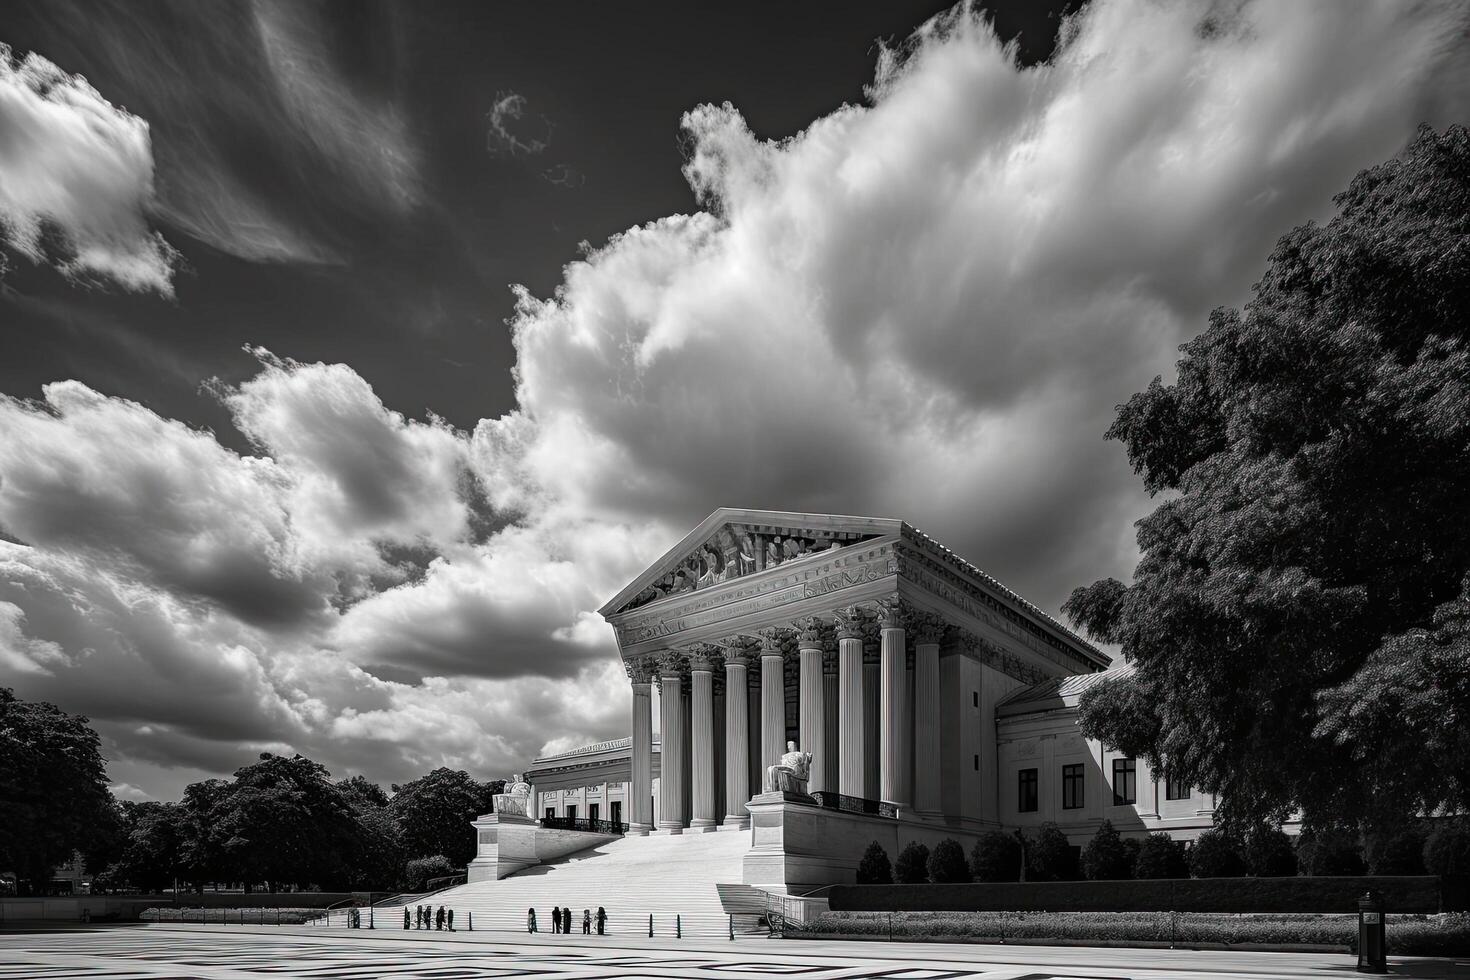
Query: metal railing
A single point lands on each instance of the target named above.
(584, 824)
(854, 804)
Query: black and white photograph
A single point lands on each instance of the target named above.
(902, 489)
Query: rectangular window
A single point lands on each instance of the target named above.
(977, 763)
(1176, 789)
(550, 812)
(1072, 787)
(571, 811)
(617, 811)
(975, 698)
(1026, 791)
(592, 809)
(1125, 782)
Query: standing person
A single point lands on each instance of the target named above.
(531, 920)
(450, 919)
(566, 920)
(405, 917)
(586, 922)
(556, 923)
(601, 919)
(418, 916)
(439, 919)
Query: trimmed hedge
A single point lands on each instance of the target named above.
(1420, 894)
(1441, 935)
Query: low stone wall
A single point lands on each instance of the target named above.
(1421, 894)
(508, 843)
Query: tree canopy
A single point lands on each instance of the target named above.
(53, 787)
(435, 810)
(1298, 619)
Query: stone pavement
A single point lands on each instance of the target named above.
(213, 953)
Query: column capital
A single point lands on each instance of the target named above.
(773, 640)
(703, 656)
(672, 663)
(893, 612)
(736, 652)
(926, 626)
(810, 632)
(850, 620)
(640, 669)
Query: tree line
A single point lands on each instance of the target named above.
(279, 823)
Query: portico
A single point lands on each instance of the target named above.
(873, 647)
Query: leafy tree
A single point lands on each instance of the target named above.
(996, 856)
(1447, 850)
(947, 863)
(360, 792)
(1329, 850)
(1269, 853)
(434, 812)
(53, 787)
(874, 868)
(1395, 851)
(1049, 855)
(1160, 856)
(418, 872)
(151, 859)
(1297, 621)
(1105, 858)
(913, 865)
(377, 859)
(1215, 854)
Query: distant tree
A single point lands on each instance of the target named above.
(1049, 855)
(360, 792)
(1298, 619)
(947, 863)
(53, 788)
(1330, 850)
(1269, 853)
(376, 859)
(1447, 849)
(913, 865)
(1216, 854)
(202, 855)
(151, 859)
(1395, 851)
(874, 868)
(418, 872)
(1160, 856)
(1105, 858)
(996, 856)
(435, 810)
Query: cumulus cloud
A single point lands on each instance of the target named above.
(925, 307)
(76, 179)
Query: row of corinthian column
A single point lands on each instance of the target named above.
(906, 742)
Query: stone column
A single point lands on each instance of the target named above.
(737, 737)
(773, 698)
(830, 743)
(850, 701)
(813, 723)
(893, 740)
(702, 737)
(675, 745)
(872, 713)
(928, 631)
(640, 792)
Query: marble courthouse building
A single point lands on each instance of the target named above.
(934, 702)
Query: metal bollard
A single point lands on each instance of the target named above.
(650, 925)
(678, 927)
(472, 921)
(1372, 934)
(732, 928)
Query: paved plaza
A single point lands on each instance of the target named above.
(201, 953)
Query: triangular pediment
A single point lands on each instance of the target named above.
(733, 543)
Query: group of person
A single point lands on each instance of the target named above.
(561, 920)
(426, 917)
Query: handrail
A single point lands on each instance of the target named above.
(828, 800)
(585, 824)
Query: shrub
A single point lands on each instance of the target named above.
(1447, 850)
(1105, 858)
(1329, 851)
(874, 868)
(913, 865)
(416, 873)
(1161, 856)
(1214, 855)
(1270, 854)
(947, 863)
(996, 856)
(1399, 851)
(1048, 855)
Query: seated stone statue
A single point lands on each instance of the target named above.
(516, 800)
(790, 775)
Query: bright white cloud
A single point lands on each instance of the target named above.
(74, 165)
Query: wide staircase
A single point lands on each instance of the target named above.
(670, 878)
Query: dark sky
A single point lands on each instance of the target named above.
(416, 301)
